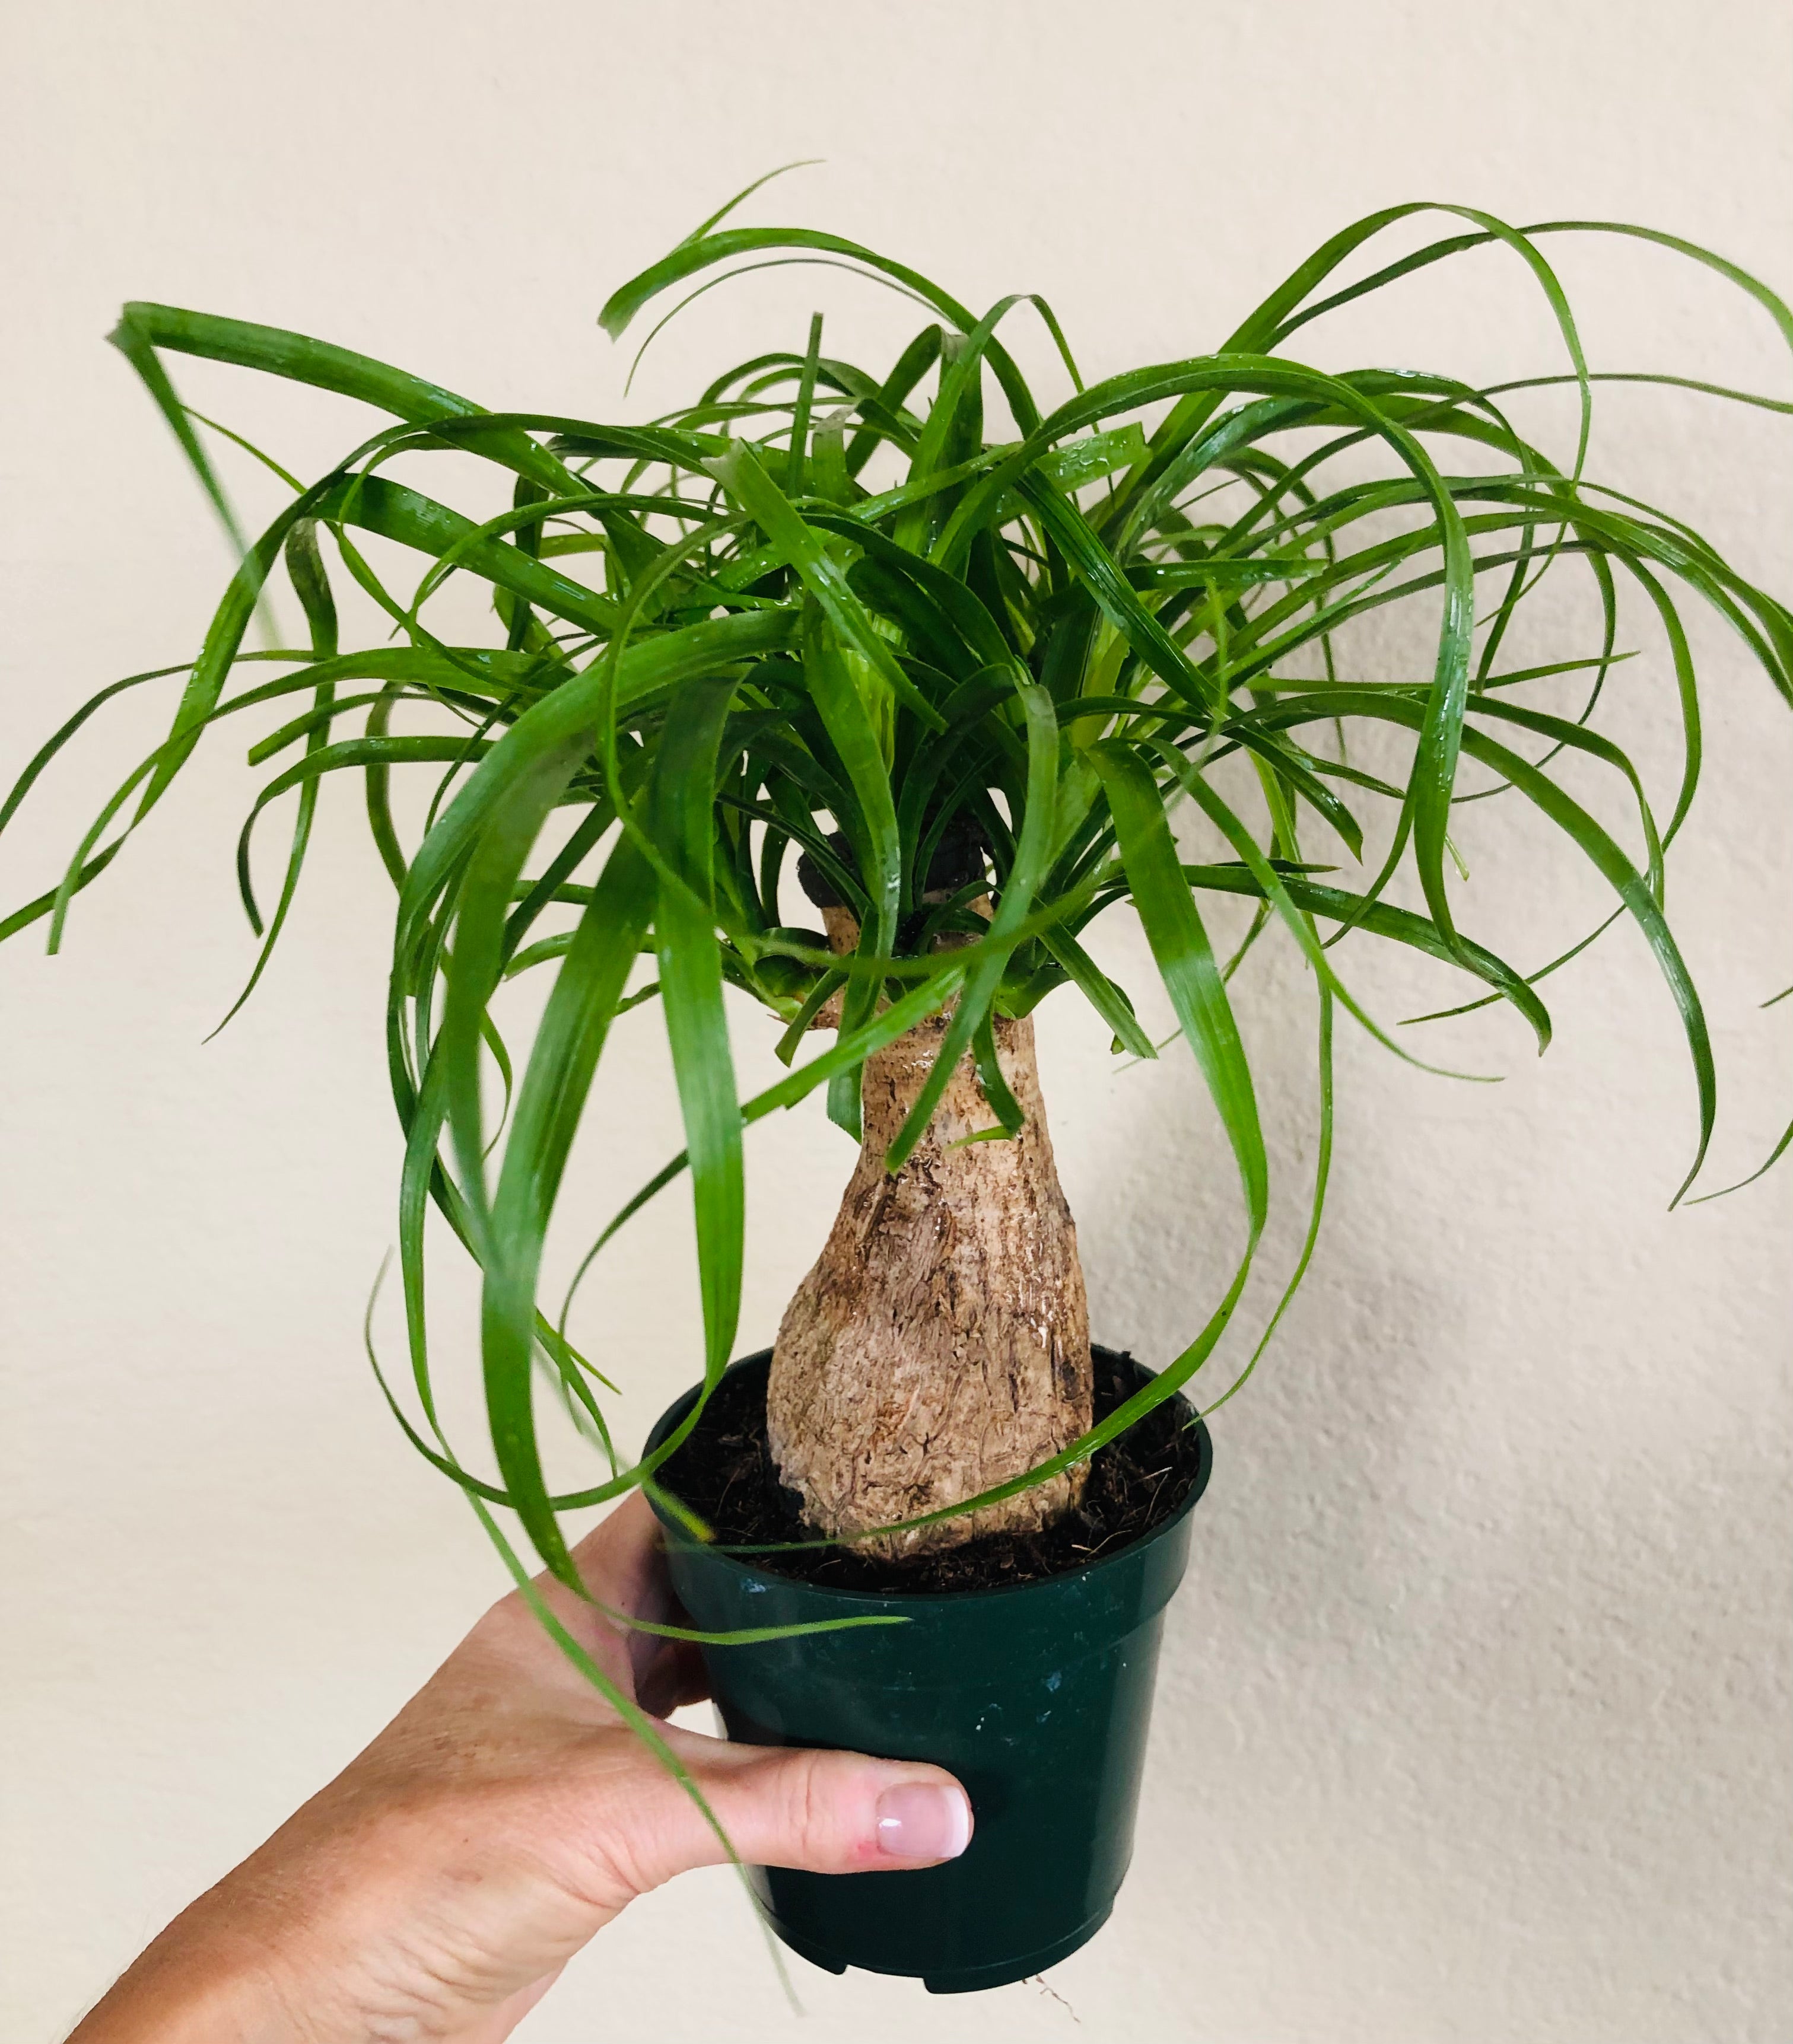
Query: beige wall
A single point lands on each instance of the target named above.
(1474, 1722)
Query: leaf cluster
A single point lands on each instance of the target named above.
(829, 612)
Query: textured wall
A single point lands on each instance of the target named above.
(1474, 1724)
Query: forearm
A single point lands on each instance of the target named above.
(201, 1982)
(273, 1953)
(414, 1921)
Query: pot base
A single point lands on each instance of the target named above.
(962, 1979)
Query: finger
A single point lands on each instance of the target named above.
(784, 1806)
(623, 1565)
(622, 1560)
(622, 1549)
(674, 1677)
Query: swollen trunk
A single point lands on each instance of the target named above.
(942, 1343)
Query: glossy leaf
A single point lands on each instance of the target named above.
(829, 609)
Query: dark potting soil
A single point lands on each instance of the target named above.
(725, 1473)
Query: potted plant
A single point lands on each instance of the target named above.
(909, 654)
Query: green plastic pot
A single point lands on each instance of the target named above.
(1037, 1695)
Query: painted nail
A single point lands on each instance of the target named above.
(923, 1820)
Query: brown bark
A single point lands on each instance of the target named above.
(940, 1345)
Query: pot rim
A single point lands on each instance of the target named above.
(745, 1564)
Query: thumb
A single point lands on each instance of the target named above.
(791, 1806)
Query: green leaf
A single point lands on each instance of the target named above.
(691, 978)
(144, 328)
(794, 541)
(769, 653)
(587, 994)
(1032, 850)
(1186, 962)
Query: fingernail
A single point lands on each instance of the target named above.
(923, 1820)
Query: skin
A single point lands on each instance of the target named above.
(435, 1889)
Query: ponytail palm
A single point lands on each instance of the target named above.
(856, 617)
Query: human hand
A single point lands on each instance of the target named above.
(435, 1889)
